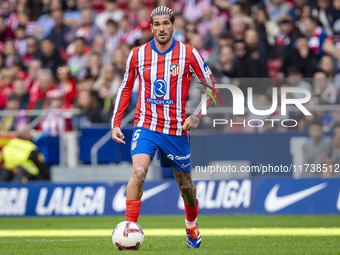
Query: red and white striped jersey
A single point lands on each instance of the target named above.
(164, 80)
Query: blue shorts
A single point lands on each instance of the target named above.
(174, 150)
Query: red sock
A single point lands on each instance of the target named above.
(191, 212)
(132, 209)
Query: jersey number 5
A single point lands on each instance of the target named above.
(136, 135)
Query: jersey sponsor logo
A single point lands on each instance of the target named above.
(172, 157)
(13, 201)
(118, 202)
(206, 69)
(184, 166)
(70, 201)
(160, 101)
(159, 88)
(174, 69)
(145, 69)
(222, 195)
(274, 203)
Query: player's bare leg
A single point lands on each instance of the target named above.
(188, 192)
(187, 187)
(134, 189)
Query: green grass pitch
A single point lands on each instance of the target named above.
(166, 235)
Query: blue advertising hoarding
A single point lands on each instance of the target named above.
(244, 196)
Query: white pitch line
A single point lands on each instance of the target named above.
(176, 232)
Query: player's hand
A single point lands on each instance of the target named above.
(191, 123)
(117, 135)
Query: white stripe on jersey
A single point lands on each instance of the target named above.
(122, 86)
(201, 65)
(167, 78)
(141, 62)
(182, 58)
(153, 77)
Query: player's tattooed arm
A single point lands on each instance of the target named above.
(191, 123)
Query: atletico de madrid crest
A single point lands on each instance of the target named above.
(174, 69)
(134, 145)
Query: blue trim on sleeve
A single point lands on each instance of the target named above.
(153, 46)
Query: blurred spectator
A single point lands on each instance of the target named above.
(73, 14)
(91, 113)
(66, 85)
(286, 39)
(86, 29)
(205, 25)
(31, 48)
(7, 122)
(225, 66)
(5, 32)
(112, 36)
(319, 41)
(94, 64)
(324, 91)
(118, 60)
(25, 19)
(211, 40)
(259, 50)
(246, 67)
(316, 149)
(134, 6)
(179, 33)
(21, 91)
(22, 160)
(6, 86)
(334, 158)
(268, 30)
(11, 55)
(238, 26)
(123, 29)
(20, 42)
(327, 65)
(193, 10)
(38, 92)
(135, 33)
(337, 78)
(111, 12)
(324, 14)
(306, 12)
(57, 118)
(302, 57)
(33, 67)
(46, 23)
(22, 6)
(79, 60)
(296, 10)
(277, 9)
(48, 55)
(107, 85)
(294, 79)
(11, 18)
(146, 34)
(98, 47)
(196, 41)
(57, 35)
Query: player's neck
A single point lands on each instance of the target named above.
(163, 47)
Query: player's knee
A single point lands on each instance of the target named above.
(139, 174)
(186, 186)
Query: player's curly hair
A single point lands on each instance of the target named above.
(163, 10)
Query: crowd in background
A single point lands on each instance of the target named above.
(71, 54)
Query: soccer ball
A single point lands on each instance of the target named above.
(127, 235)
